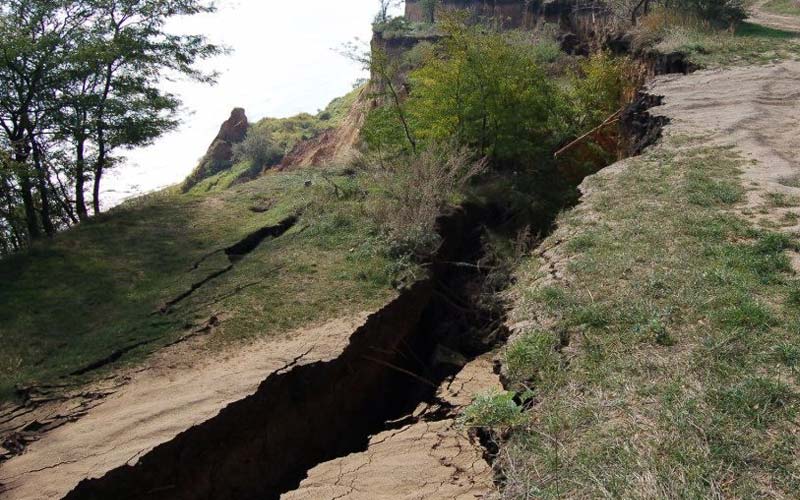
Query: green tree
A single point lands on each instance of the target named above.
(128, 54)
(489, 92)
(36, 38)
(79, 82)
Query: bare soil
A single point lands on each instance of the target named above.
(177, 389)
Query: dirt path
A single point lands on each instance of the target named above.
(755, 110)
(177, 390)
(777, 21)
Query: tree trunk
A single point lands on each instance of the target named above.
(21, 156)
(80, 180)
(98, 173)
(41, 177)
(31, 220)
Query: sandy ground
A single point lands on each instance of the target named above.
(430, 458)
(756, 110)
(177, 390)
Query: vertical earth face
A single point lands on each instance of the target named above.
(220, 153)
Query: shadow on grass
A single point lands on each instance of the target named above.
(71, 301)
(752, 30)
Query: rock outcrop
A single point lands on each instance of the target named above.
(219, 156)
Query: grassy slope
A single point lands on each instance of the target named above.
(94, 288)
(663, 357)
(749, 44)
(286, 134)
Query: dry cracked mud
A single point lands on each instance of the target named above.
(428, 458)
(178, 389)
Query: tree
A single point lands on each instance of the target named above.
(128, 55)
(36, 38)
(429, 9)
(79, 82)
(488, 92)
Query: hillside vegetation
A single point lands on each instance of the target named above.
(655, 344)
(104, 286)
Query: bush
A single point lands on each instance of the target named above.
(258, 149)
(601, 85)
(717, 12)
(415, 190)
(490, 92)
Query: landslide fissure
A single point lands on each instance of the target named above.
(313, 412)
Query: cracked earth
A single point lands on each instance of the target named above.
(432, 457)
(179, 388)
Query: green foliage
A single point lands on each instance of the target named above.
(489, 93)
(80, 82)
(258, 149)
(414, 190)
(599, 88)
(493, 410)
(723, 12)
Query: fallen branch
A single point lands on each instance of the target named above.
(401, 370)
(611, 119)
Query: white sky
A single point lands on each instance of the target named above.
(284, 62)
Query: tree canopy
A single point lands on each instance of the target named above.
(79, 84)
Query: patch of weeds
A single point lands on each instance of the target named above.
(790, 219)
(553, 297)
(590, 315)
(582, 242)
(655, 331)
(533, 358)
(493, 410)
(790, 181)
(709, 192)
(788, 354)
(758, 400)
(793, 296)
(747, 314)
(782, 200)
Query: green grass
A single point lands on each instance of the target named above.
(784, 7)
(97, 288)
(288, 132)
(679, 375)
(749, 44)
(782, 200)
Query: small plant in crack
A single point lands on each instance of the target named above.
(493, 410)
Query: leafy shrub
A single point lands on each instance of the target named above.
(493, 410)
(719, 12)
(602, 84)
(490, 92)
(258, 149)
